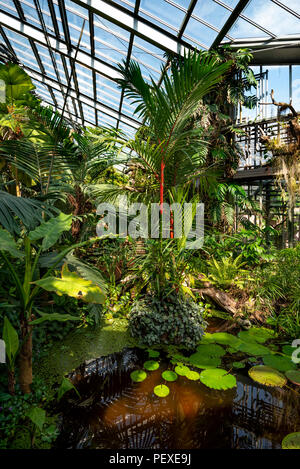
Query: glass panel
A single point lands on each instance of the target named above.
(130, 131)
(296, 87)
(162, 11)
(89, 113)
(292, 4)
(273, 17)
(212, 13)
(8, 6)
(110, 46)
(85, 80)
(108, 92)
(279, 82)
(104, 119)
(126, 4)
(201, 33)
(22, 48)
(30, 13)
(243, 29)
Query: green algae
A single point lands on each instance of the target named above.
(80, 345)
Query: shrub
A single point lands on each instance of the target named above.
(172, 320)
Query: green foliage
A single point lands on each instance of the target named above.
(172, 320)
(238, 365)
(66, 386)
(223, 338)
(227, 272)
(192, 375)
(252, 348)
(256, 334)
(200, 360)
(17, 82)
(217, 379)
(293, 376)
(38, 416)
(11, 339)
(211, 350)
(51, 230)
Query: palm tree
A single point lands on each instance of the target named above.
(166, 151)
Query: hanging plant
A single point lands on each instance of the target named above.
(266, 375)
(217, 379)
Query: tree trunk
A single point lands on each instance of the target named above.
(219, 297)
(25, 359)
(11, 382)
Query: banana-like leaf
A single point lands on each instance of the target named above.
(17, 82)
(11, 339)
(72, 284)
(54, 317)
(7, 243)
(86, 271)
(51, 230)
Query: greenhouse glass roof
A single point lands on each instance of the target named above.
(44, 36)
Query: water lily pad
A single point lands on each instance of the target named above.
(208, 338)
(279, 362)
(153, 353)
(138, 375)
(267, 376)
(169, 375)
(182, 370)
(291, 441)
(192, 375)
(211, 350)
(252, 348)
(252, 359)
(288, 350)
(238, 365)
(293, 376)
(256, 334)
(217, 378)
(224, 338)
(201, 361)
(161, 390)
(151, 365)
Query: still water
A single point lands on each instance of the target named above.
(115, 413)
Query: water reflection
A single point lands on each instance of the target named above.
(115, 413)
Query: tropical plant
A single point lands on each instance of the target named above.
(227, 272)
(84, 283)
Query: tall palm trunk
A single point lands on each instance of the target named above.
(25, 358)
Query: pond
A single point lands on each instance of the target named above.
(113, 412)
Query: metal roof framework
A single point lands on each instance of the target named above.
(44, 36)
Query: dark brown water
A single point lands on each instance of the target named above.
(115, 413)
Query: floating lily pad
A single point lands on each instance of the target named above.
(252, 359)
(201, 361)
(151, 365)
(256, 334)
(153, 353)
(279, 362)
(293, 376)
(208, 338)
(232, 350)
(211, 350)
(182, 370)
(267, 376)
(161, 390)
(217, 378)
(252, 348)
(138, 375)
(224, 338)
(238, 365)
(192, 375)
(169, 375)
(291, 441)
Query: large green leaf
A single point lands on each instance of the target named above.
(138, 375)
(211, 350)
(16, 80)
(256, 334)
(86, 271)
(37, 416)
(252, 348)
(224, 338)
(204, 361)
(7, 243)
(151, 365)
(51, 230)
(11, 339)
(72, 285)
(169, 375)
(66, 386)
(293, 376)
(217, 379)
(161, 390)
